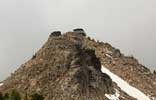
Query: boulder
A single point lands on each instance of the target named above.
(117, 53)
(79, 30)
(55, 33)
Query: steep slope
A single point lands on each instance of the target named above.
(128, 68)
(68, 67)
(125, 86)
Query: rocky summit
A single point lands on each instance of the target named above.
(68, 67)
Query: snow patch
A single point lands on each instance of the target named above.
(1, 84)
(131, 91)
(109, 56)
(153, 98)
(113, 96)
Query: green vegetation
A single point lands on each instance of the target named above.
(37, 97)
(1, 96)
(6, 96)
(15, 95)
(26, 97)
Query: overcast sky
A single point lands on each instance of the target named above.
(25, 25)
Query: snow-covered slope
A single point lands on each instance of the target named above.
(130, 90)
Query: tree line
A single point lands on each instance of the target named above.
(15, 95)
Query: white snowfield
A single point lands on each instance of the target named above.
(131, 91)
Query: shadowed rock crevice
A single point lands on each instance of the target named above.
(89, 75)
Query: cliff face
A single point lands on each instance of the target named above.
(68, 67)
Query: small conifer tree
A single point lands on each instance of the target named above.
(37, 97)
(1, 96)
(14, 95)
(6, 96)
(26, 97)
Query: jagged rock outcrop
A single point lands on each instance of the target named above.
(55, 33)
(80, 31)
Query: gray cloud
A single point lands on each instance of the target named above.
(126, 24)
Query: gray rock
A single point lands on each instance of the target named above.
(55, 33)
(80, 30)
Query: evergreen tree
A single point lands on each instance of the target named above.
(1, 96)
(26, 97)
(14, 95)
(6, 96)
(37, 97)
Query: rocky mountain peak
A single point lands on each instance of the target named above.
(68, 67)
(63, 66)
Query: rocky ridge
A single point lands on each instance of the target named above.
(70, 65)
